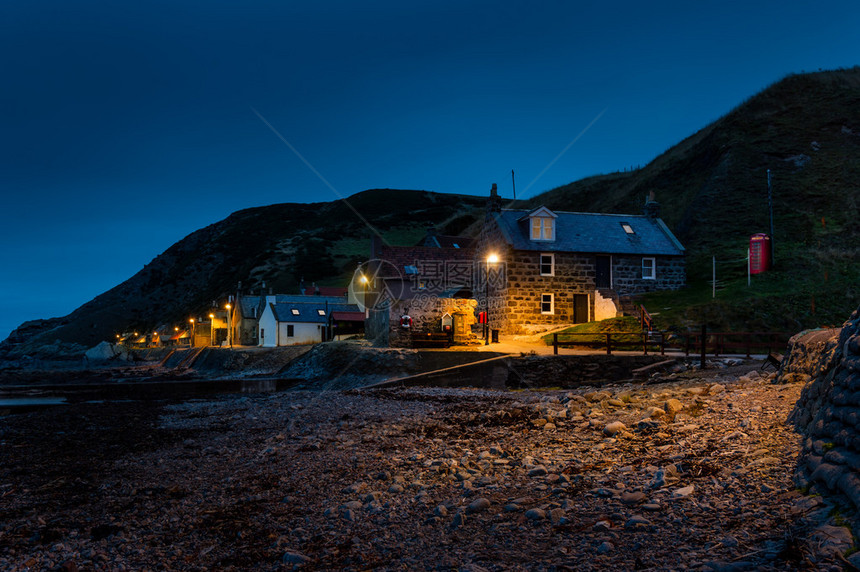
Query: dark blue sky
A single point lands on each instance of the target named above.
(126, 127)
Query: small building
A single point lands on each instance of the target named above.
(248, 308)
(555, 268)
(296, 320)
(420, 284)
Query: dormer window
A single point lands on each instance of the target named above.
(294, 311)
(627, 228)
(542, 224)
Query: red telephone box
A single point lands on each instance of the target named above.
(759, 253)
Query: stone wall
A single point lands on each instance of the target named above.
(627, 274)
(828, 411)
(426, 313)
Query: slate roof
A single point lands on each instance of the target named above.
(592, 233)
(251, 302)
(308, 309)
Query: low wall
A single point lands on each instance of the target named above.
(828, 411)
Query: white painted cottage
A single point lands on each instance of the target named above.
(296, 320)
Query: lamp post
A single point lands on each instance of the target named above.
(491, 259)
(364, 281)
(211, 329)
(191, 321)
(229, 325)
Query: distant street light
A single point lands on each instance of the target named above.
(211, 329)
(192, 332)
(364, 281)
(229, 325)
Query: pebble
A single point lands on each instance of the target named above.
(478, 505)
(613, 428)
(535, 514)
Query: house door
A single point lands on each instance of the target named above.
(603, 272)
(580, 308)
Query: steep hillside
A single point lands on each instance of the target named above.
(277, 244)
(713, 190)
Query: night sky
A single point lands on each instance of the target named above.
(127, 126)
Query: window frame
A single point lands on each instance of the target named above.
(543, 227)
(551, 304)
(652, 275)
(551, 256)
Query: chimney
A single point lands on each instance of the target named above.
(494, 203)
(652, 207)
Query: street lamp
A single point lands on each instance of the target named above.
(211, 329)
(491, 259)
(229, 325)
(364, 281)
(191, 321)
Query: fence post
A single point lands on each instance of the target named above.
(662, 343)
(704, 337)
(608, 343)
(555, 344)
(644, 343)
(749, 343)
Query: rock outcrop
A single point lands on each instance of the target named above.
(828, 411)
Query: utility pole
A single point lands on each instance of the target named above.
(514, 183)
(770, 208)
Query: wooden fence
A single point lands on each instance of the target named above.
(701, 343)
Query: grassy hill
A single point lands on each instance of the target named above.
(712, 187)
(713, 191)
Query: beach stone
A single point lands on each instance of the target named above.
(613, 428)
(833, 539)
(295, 558)
(535, 514)
(478, 505)
(683, 491)
(637, 521)
(672, 407)
(537, 471)
(631, 498)
(654, 413)
(605, 547)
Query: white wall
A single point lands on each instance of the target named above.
(302, 334)
(267, 325)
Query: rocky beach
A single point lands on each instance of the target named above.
(686, 471)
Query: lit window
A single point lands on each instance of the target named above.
(295, 311)
(321, 312)
(627, 228)
(543, 228)
(649, 269)
(546, 304)
(547, 265)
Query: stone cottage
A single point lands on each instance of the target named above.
(542, 268)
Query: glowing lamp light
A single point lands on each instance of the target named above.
(492, 258)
